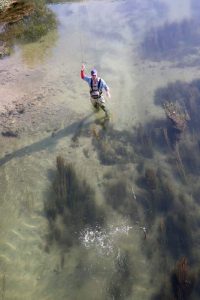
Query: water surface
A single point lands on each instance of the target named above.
(130, 209)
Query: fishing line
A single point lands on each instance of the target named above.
(92, 46)
(85, 14)
(80, 35)
(88, 24)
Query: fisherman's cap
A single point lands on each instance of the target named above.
(94, 72)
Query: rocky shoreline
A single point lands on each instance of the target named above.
(21, 112)
(12, 112)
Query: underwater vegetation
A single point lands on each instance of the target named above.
(122, 147)
(182, 280)
(183, 99)
(151, 178)
(157, 195)
(172, 40)
(160, 198)
(118, 195)
(190, 157)
(113, 146)
(142, 140)
(185, 96)
(160, 193)
(121, 283)
(177, 235)
(181, 283)
(71, 205)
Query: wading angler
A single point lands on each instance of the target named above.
(97, 85)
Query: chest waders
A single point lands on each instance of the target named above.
(97, 98)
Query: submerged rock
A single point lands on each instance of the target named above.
(4, 49)
(10, 133)
(179, 120)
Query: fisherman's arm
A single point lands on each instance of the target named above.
(108, 92)
(83, 71)
(106, 88)
(83, 76)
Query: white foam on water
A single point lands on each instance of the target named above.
(103, 240)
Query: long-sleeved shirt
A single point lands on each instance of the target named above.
(88, 79)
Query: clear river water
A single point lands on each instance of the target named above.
(97, 209)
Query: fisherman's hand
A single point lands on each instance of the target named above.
(83, 67)
(108, 94)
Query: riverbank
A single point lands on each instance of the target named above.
(13, 10)
(19, 106)
(4, 4)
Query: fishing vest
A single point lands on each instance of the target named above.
(95, 91)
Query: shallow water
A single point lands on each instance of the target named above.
(137, 192)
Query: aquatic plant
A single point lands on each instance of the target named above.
(158, 193)
(182, 280)
(72, 205)
(150, 178)
(120, 198)
(121, 147)
(190, 157)
(164, 293)
(178, 234)
(143, 141)
(197, 283)
(180, 284)
(171, 40)
(181, 104)
(184, 96)
(122, 280)
(114, 146)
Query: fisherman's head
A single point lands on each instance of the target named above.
(94, 73)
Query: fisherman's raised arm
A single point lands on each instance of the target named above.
(82, 71)
(84, 76)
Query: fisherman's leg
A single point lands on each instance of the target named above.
(94, 103)
(103, 106)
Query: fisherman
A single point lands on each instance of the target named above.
(96, 85)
